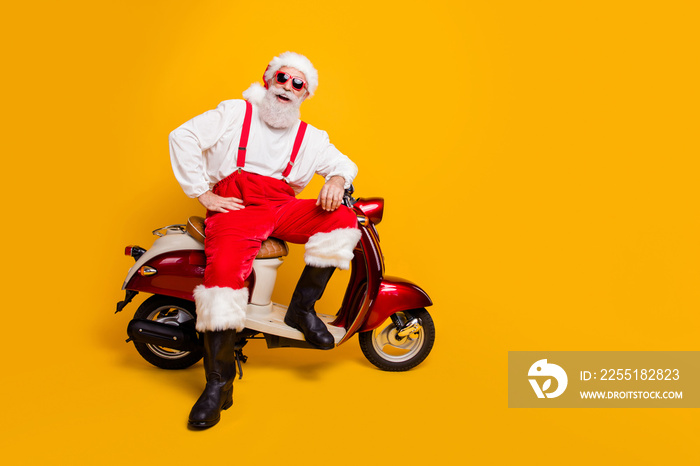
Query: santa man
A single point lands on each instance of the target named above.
(246, 161)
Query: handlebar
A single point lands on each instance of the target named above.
(348, 200)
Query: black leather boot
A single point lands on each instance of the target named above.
(301, 314)
(220, 371)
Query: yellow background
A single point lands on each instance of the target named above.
(539, 164)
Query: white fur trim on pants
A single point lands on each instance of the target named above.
(220, 308)
(332, 249)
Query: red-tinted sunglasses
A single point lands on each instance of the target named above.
(297, 83)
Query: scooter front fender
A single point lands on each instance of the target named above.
(395, 295)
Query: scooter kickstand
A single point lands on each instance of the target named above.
(240, 357)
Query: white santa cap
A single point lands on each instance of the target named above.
(255, 93)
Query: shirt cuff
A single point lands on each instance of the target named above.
(198, 191)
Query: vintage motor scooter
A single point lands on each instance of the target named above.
(395, 331)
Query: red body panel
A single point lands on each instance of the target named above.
(355, 291)
(372, 264)
(395, 295)
(179, 272)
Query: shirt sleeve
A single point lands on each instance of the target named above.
(332, 162)
(189, 141)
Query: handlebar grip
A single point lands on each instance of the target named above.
(348, 200)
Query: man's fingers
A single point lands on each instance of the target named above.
(225, 206)
(232, 203)
(321, 201)
(332, 200)
(329, 199)
(331, 204)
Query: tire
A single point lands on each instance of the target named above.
(172, 311)
(382, 348)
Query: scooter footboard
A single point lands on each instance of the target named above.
(395, 295)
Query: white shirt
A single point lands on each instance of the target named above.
(203, 151)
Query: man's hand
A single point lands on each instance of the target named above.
(217, 203)
(331, 194)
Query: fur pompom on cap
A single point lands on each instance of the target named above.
(255, 94)
(220, 308)
(332, 249)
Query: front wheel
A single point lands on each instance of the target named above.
(171, 311)
(384, 348)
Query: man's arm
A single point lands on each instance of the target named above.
(191, 139)
(339, 172)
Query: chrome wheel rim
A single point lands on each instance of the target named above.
(170, 315)
(391, 347)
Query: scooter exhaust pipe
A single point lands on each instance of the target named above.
(160, 334)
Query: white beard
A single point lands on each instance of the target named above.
(278, 114)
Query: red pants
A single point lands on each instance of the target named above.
(233, 238)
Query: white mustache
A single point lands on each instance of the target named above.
(288, 94)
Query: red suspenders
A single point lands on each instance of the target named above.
(295, 149)
(242, 145)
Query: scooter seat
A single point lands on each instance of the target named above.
(269, 249)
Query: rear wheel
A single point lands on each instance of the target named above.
(171, 311)
(384, 348)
